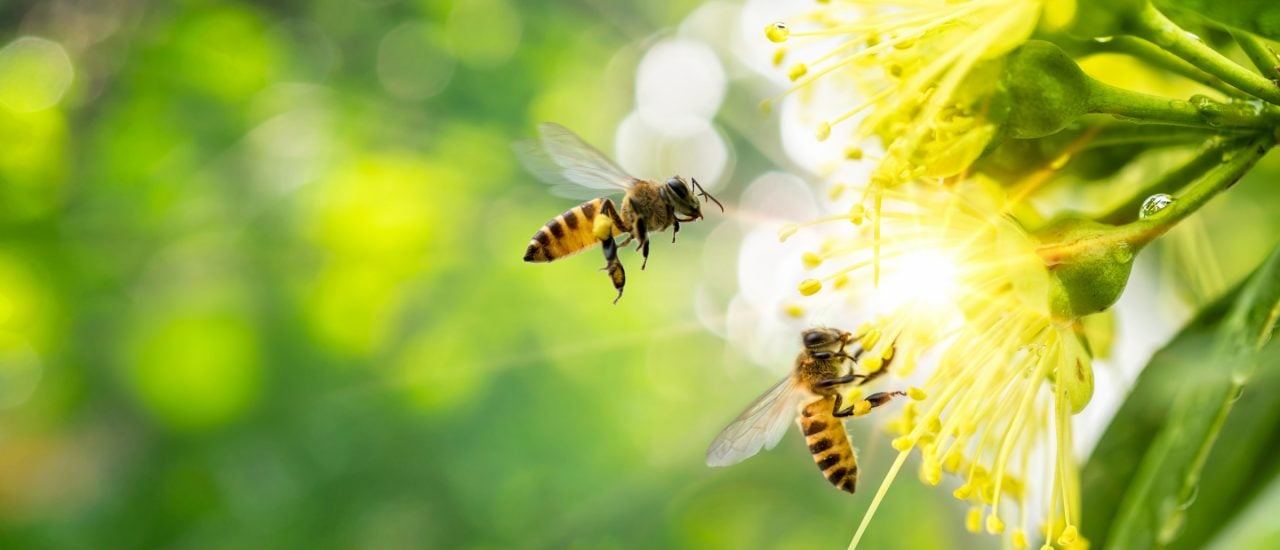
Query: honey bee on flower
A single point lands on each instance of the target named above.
(967, 282)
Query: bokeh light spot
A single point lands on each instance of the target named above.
(34, 74)
(411, 65)
(196, 370)
(679, 79)
(228, 52)
(656, 152)
(484, 33)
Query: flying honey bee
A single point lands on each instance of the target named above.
(813, 391)
(578, 170)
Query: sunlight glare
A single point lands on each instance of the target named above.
(928, 277)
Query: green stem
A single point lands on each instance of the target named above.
(1259, 53)
(1196, 195)
(1149, 134)
(1208, 157)
(1161, 59)
(1138, 233)
(1201, 112)
(1152, 25)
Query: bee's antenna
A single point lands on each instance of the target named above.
(705, 195)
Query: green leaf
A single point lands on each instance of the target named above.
(1144, 478)
(1261, 17)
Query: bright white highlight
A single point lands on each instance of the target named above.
(927, 277)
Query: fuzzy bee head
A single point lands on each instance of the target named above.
(682, 197)
(824, 339)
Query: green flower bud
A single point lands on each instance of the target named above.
(1046, 90)
(1088, 267)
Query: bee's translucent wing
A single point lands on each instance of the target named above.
(572, 166)
(761, 425)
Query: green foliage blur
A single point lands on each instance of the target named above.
(261, 287)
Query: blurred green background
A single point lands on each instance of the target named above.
(261, 287)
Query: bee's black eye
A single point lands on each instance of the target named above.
(678, 187)
(813, 339)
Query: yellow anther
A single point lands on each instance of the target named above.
(766, 106)
(785, 232)
(903, 443)
(963, 492)
(793, 310)
(974, 522)
(1019, 539)
(840, 281)
(994, 525)
(870, 339)
(797, 71)
(1068, 536)
(953, 461)
(811, 260)
(853, 153)
(823, 131)
(931, 471)
(777, 32)
(935, 425)
(836, 191)
(809, 287)
(778, 55)
(887, 354)
(917, 394)
(863, 329)
(857, 213)
(872, 364)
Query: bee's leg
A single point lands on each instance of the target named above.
(613, 266)
(838, 381)
(883, 368)
(675, 228)
(864, 406)
(642, 235)
(604, 232)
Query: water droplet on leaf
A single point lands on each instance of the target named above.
(1123, 253)
(1154, 204)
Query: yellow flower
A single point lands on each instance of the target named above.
(963, 279)
(921, 65)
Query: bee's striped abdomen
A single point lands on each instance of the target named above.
(829, 444)
(567, 234)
